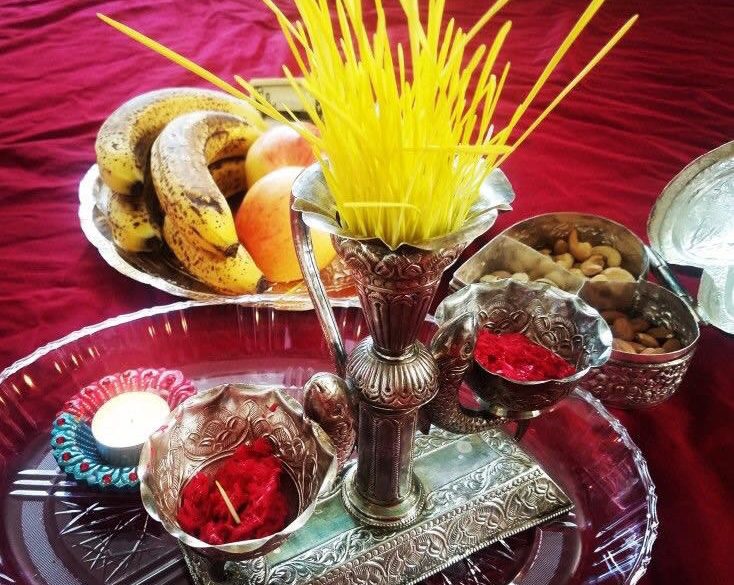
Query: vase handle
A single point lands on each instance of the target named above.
(452, 347)
(309, 268)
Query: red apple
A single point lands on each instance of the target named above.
(264, 227)
(279, 146)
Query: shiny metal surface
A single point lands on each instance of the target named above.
(391, 373)
(661, 269)
(480, 487)
(691, 222)
(716, 297)
(161, 269)
(635, 380)
(206, 429)
(515, 249)
(560, 321)
(312, 198)
(328, 401)
(453, 349)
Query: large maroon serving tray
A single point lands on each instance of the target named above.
(55, 531)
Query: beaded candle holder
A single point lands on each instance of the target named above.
(72, 442)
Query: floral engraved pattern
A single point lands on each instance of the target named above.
(633, 385)
(211, 425)
(470, 512)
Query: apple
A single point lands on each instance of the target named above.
(279, 146)
(263, 223)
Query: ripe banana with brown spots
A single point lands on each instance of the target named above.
(135, 220)
(236, 274)
(188, 194)
(125, 138)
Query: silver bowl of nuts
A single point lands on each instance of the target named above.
(655, 336)
(562, 249)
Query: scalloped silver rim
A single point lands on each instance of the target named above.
(651, 531)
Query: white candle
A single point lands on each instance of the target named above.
(124, 423)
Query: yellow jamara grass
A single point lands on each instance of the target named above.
(408, 142)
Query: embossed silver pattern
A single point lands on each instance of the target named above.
(562, 322)
(328, 401)
(391, 373)
(691, 221)
(453, 349)
(395, 288)
(466, 514)
(630, 380)
(206, 429)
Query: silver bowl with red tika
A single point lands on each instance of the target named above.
(533, 344)
(234, 472)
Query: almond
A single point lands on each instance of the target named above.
(647, 340)
(672, 345)
(653, 350)
(640, 324)
(611, 316)
(660, 332)
(621, 328)
(622, 345)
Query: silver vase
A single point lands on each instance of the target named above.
(390, 373)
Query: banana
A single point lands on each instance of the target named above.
(133, 229)
(236, 274)
(186, 189)
(134, 220)
(229, 175)
(124, 140)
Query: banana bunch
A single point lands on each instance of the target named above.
(125, 138)
(123, 146)
(199, 226)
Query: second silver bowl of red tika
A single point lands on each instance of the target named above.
(533, 344)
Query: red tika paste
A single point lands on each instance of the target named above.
(251, 477)
(514, 356)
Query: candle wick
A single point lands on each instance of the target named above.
(228, 502)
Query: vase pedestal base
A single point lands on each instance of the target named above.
(477, 489)
(401, 514)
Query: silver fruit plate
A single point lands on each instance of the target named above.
(160, 269)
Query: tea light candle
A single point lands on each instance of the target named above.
(124, 423)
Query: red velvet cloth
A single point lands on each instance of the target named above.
(663, 97)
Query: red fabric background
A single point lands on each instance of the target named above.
(663, 97)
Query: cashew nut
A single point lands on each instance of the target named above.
(545, 251)
(593, 265)
(618, 274)
(611, 255)
(599, 278)
(560, 247)
(580, 250)
(501, 274)
(489, 278)
(577, 272)
(565, 260)
(520, 277)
